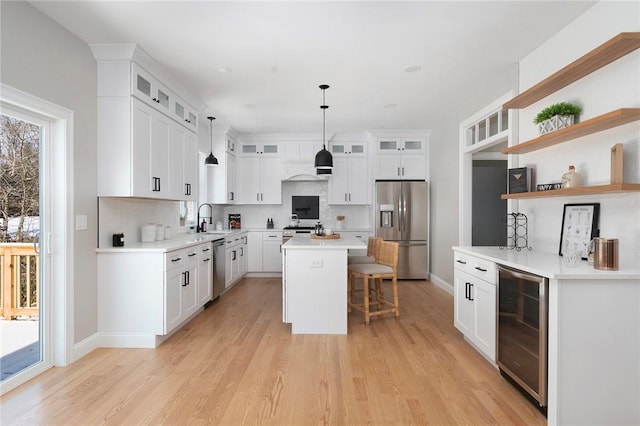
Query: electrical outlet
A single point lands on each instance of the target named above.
(81, 222)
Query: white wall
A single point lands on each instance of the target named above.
(615, 86)
(43, 59)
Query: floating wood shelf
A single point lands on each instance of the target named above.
(617, 47)
(583, 190)
(606, 121)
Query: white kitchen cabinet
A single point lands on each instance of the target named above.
(154, 292)
(475, 302)
(348, 148)
(265, 251)
(272, 251)
(270, 149)
(254, 263)
(150, 152)
(184, 164)
(185, 113)
(350, 182)
(221, 179)
(259, 180)
(401, 158)
(150, 90)
(189, 283)
(235, 258)
(205, 273)
(137, 125)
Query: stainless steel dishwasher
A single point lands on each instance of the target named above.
(218, 267)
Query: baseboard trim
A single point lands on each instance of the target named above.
(86, 346)
(442, 284)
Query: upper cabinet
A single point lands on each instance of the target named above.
(259, 172)
(258, 148)
(401, 158)
(349, 183)
(613, 49)
(221, 179)
(147, 132)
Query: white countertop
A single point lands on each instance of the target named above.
(549, 265)
(177, 242)
(305, 242)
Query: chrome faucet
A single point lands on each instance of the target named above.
(210, 217)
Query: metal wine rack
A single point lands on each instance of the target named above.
(517, 232)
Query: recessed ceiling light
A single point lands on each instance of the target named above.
(390, 106)
(224, 69)
(412, 68)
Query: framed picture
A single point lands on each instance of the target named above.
(519, 180)
(579, 221)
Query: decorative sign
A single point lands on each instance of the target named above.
(519, 180)
(579, 221)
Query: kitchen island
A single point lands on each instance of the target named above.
(314, 283)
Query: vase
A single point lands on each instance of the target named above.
(554, 123)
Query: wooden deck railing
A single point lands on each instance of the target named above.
(19, 280)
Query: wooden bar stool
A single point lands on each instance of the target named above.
(372, 247)
(386, 266)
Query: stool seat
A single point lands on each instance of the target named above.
(371, 269)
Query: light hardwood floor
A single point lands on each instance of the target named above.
(236, 363)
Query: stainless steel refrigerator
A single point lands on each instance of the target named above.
(402, 215)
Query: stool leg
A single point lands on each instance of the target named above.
(394, 283)
(365, 289)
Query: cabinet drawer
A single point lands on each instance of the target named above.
(270, 236)
(175, 259)
(477, 267)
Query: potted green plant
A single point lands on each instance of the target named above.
(556, 116)
(182, 220)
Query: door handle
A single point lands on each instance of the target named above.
(470, 287)
(36, 240)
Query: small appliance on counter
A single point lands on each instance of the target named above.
(293, 220)
(118, 240)
(606, 254)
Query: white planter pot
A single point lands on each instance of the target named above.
(554, 123)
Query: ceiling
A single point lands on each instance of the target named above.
(278, 53)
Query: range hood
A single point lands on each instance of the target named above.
(305, 177)
(302, 172)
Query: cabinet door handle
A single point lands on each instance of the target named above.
(184, 279)
(156, 184)
(241, 251)
(231, 196)
(206, 249)
(398, 171)
(403, 171)
(257, 196)
(470, 288)
(233, 255)
(187, 189)
(461, 262)
(261, 196)
(206, 260)
(345, 196)
(480, 269)
(177, 259)
(466, 291)
(192, 254)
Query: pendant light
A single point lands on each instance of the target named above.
(211, 160)
(324, 159)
